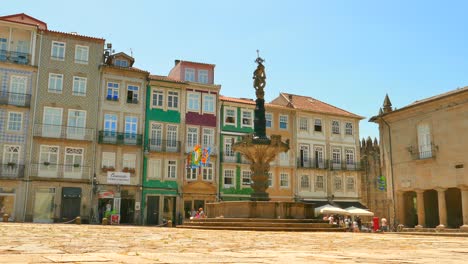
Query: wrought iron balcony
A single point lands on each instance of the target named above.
(160, 145)
(423, 151)
(11, 170)
(65, 171)
(64, 132)
(312, 163)
(119, 138)
(18, 99)
(15, 57)
(231, 158)
(344, 165)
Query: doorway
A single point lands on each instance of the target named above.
(71, 203)
(152, 212)
(127, 211)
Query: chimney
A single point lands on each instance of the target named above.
(176, 62)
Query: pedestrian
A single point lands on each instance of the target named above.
(359, 222)
(384, 225)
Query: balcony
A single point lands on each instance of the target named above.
(159, 145)
(312, 163)
(423, 151)
(119, 138)
(61, 171)
(17, 99)
(344, 165)
(11, 170)
(63, 132)
(15, 57)
(231, 158)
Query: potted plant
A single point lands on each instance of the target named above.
(46, 163)
(11, 164)
(131, 170)
(76, 165)
(126, 169)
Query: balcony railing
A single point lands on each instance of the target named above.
(64, 132)
(234, 158)
(160, 145)
(18, 99)
(15, 57)
(11, 170)
(65, 171)
(328, 164)
(423, 151)
(119, 138)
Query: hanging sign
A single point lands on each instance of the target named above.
(116, 177)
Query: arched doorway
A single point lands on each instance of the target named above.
(431, 208)
(410, 217)
(454, 208)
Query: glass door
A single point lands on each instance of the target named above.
(44, 205)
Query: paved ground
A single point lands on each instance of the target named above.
(59, 243)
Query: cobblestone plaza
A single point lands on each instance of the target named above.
(59, 243)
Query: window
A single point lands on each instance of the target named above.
(303, 124)
(192, 137)
(284, 156)
(203, 76)
(132, 94)
(108, 160)
(172, 100)
(424, 141)
(247, 118)
(208, 137)
(112, 91)
(269, 120)
(336, 157)
(318, 125)
(73, 161)
(15, 121)
(155, 140)
(189, 75)
(338, 183)
(11, 154)
(131, 129)
(129, 161)
(228, 152)
(284, 180)
(121, 63)
(48, 155)
(193, 102)
(3, 46)
(52, 120)
(55, 83)
(335, 127)
(171, 169)
(349, 128)
(304, 152)
(228, 178)
(171, 137)
(79, 86)
(110, 122)
(58, 50)
(283, 122)
(319, 183)
(349, 156)
(154, 169)
(270, 179)
(191, 174)
(209, 103)
(305, 183)
(246, 177)
(18, 90)
(207, 172)
(230, 116)
(81, 54)
(158, 98)
(319, 157)
(350, 184)
(76, 124)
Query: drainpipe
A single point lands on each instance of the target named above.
(391, 170)
(32, 129)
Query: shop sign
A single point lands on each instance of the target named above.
(106, 194)
(116, 177)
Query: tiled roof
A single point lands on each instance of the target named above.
(311, 104)
(76, 35)
(178, 61)
(127, 68)
(40, 24)
(439, 96)
(164, 78)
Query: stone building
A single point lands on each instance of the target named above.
(423, 148)
(119, 154)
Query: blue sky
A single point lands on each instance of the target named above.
(346, 53)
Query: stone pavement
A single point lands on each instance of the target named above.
(60, 243)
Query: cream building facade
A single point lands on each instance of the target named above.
(424, 156)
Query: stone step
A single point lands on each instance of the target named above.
(265, 228)
(261, 224)
(268, 220)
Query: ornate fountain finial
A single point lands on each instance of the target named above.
(259, 77)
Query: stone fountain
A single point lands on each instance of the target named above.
(260, 150)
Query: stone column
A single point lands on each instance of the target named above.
(421, 211)
(442, 207)
(464, 193)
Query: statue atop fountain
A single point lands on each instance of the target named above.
(257, 147)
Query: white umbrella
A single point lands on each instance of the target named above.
(358, 211)
(330, 209)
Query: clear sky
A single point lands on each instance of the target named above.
(346, 53)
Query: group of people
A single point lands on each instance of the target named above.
(195, 214)
(355, 225)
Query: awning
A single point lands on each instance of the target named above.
(347, 204)
(358, 211)
(330, 209)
